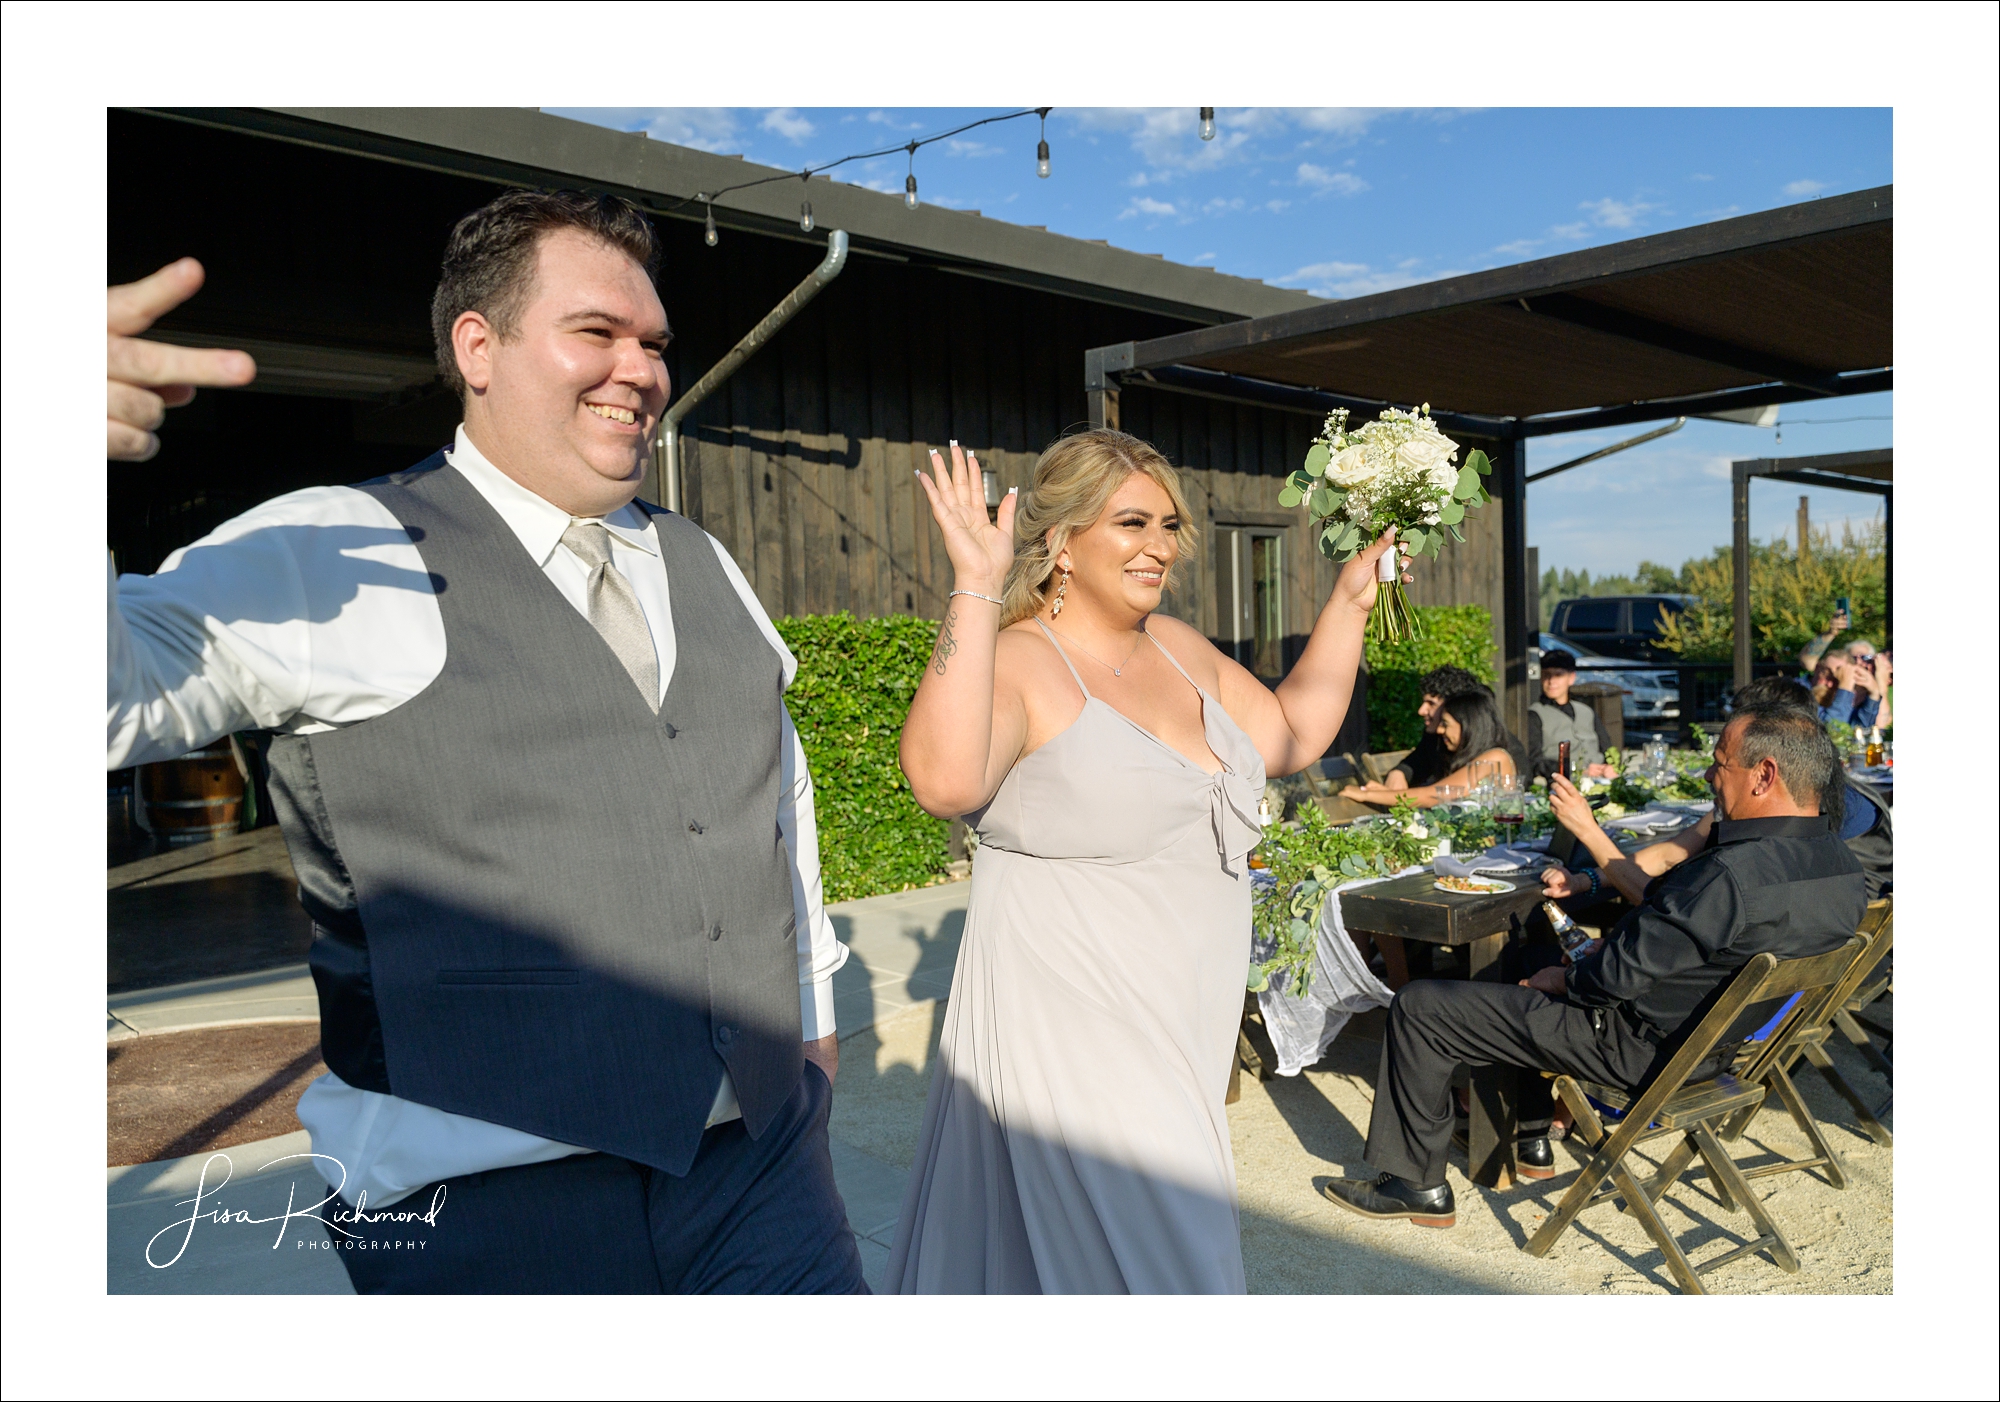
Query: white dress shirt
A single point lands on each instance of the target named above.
(314, 611)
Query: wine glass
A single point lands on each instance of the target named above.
(1509, 805)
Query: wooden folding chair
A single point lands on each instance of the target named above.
(1877, 933)
(1376, 768)
(1671, 1103)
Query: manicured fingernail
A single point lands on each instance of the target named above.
(1012, 490)
(954, 442)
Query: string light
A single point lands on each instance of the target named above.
(1208, 124)
(708, 198)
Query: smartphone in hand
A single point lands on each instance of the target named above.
(1844, 605)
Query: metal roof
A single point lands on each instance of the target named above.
(526, 147)
(1789, 304)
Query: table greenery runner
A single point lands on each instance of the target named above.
(1309, 860)
(1396, 471)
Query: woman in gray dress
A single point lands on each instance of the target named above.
(1111, 761)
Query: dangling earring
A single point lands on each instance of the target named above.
(1062, 587)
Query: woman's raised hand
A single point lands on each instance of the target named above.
(1356, 585)
(980, 550)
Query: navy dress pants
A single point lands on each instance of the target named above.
(753, 1216)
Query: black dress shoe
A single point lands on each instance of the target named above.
(1390, 1197)
(1533, 1158)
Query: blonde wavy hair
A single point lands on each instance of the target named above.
(1074, 481)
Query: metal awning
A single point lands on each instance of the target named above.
(1790, 304)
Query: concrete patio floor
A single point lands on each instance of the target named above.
(1289, 1135)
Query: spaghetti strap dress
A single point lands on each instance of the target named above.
(1074, 1140)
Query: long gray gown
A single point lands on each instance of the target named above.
(1075, 1139)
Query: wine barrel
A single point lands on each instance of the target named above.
(196, 798)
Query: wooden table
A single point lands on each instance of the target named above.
(1412, 908)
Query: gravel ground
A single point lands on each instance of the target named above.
(1293, 1133)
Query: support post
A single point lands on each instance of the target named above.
(1100, 389)
(1510, 492)
(1740, 566)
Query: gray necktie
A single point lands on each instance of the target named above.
(614, 608)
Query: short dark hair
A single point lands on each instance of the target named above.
(1558, 659)
(1451, 681)
(1796, 742)
(489, 261)
(1773, 691)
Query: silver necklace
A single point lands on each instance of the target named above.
(1117, 671)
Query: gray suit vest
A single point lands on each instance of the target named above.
(1580, 730)
(535, 901)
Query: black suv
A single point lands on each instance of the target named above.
(1619, 625)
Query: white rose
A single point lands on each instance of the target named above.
(1351, 468)
(1425, 452)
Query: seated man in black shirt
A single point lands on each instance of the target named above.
(1774, 877)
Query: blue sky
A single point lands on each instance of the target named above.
(1344, 202)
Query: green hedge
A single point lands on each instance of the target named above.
(856, 679)
(1459, 635)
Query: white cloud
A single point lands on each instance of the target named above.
(1699, 176)
(1219, 205)
(1148, 207)
(959, 147)
(1801, 188)
(1277, 206)
(704, 128)
(1616, 214)
(1335, 181)
(881, 118)
(1337, 279)
(787, 122)
(1570, 231)
(1519, 248)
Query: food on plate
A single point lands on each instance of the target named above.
(1472, 885)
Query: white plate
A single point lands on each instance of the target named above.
(1489, 886)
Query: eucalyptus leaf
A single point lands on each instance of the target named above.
(1479, 463)
(1300, 929)
(1467, 485)
(1302, 480)
(1322, 502)
(1317, 458)
(1413, 539)
(1451, 513)
(1456, 536)
(1288, 496)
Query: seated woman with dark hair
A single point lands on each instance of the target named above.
(1470, 728)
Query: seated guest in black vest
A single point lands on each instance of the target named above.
(548, 814)
(1430, 761)
(1774, 877)
(1859, 814)
(1553, 719)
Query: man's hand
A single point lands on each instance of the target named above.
(1570, 807)
(1553, 981)
(1842, 672)
(1600, 771)
(825, 1054)
(1559, 882)
(144, 379)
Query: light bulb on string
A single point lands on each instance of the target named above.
(1042, 146)
(708, 234)
(910, 191)
(1208, 124)
(806, 216)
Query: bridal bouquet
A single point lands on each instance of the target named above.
(1396, 472)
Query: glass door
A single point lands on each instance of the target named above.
(1250, 597)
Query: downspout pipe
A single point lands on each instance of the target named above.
(795, 300)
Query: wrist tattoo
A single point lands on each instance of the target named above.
(946, 643)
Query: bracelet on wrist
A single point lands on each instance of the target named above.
(975, 594)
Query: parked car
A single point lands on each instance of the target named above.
(1618, 625)
(1655, 699)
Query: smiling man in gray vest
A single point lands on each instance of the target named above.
(547, 811)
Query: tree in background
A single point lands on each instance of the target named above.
(1791, 595)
